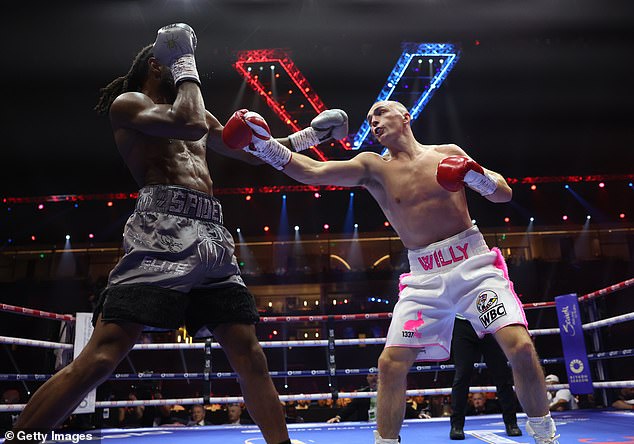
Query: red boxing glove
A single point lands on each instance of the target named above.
(237, 134)
(455, 171)
(259, 128)
(249, 131)
(242, 127)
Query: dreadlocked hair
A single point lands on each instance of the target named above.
(132, 81)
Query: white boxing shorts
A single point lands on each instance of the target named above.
(458, 275)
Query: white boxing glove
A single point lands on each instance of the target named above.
(174, 47)
(263, 145)
(329, 124)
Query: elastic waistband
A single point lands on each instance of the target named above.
(444, 255)
(179, 201)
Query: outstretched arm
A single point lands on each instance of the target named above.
(346, 173)
(249, 128)
(216, 143)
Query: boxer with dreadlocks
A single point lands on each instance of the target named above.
(179, 266)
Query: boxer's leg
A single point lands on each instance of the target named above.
(394, 364)
(529, 381)
(57, 398)
(248, 360)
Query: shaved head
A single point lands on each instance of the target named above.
(390, 104)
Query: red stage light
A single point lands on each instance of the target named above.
(280, 57)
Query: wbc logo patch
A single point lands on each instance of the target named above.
(487, 304)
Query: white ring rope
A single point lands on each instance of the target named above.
(609, 321)
(34, 343)
(589, 326)
(264, 344)
(284, 344)
(304, 396)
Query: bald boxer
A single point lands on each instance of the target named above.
(179, 266)
(420, 188)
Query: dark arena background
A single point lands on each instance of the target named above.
(539, 91)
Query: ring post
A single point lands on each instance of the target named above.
(207, 372)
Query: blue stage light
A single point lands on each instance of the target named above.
(411, 51)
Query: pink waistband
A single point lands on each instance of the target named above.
(448, 253)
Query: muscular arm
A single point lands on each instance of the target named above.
(502, 194)
(348, 173)
(185, 119)
(249, 128)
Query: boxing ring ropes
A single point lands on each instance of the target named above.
(332, 372)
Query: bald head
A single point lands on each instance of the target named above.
(390, 125)
(389, 104)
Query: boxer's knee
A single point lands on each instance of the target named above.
(254, 364)
(392, 366)
(95, 367)
(522, 353)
